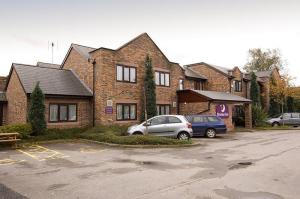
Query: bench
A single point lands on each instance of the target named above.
(9, 137)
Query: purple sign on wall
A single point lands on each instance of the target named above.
(222, 110)
(109, 110)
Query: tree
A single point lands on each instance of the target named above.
(274, 108)
(260, 60)
(149, 91)
(254, 91)
(36, 114)
(281, 90)
(259, 116)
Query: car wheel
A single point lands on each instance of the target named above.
(275, 124)
(183, 136)
(210, 133)
(137, 133)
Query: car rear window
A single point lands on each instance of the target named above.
(212, 119)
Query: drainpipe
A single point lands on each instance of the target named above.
(208, 108)
(94, 100)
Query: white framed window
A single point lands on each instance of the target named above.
(181, 84)
(119, 73)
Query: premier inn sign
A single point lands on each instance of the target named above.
(222, 110)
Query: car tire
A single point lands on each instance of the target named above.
(210, 133)
(137, 133)
(275, 124)
(183, 136)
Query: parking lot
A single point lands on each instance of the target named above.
(242, 165)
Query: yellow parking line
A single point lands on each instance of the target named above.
(9, 161)
(30, 155)
(37, 151)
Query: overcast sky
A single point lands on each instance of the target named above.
(214, 31)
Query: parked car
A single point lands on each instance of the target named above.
(164, 125)
(291, 119)
(207, 125)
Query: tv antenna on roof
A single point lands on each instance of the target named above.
(51, 45)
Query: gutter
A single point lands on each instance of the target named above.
(94, 99)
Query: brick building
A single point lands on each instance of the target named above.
(105, 86)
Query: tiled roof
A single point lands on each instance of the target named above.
(221, 69)
(52, 81)
(83, 50)
(221, 96)
(191, 73)
(48, 65)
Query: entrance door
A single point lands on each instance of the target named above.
(1, 114)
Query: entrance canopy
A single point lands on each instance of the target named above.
(192, 96)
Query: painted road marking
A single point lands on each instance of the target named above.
(9, 161)
(41, 153)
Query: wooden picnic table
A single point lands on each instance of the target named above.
(9, 137)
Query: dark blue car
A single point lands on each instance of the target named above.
(207, 125)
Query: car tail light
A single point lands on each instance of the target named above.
(189, 125)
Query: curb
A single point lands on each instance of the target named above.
(115, 145)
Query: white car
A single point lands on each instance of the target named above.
(175, 126)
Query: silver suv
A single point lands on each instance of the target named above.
(164, 125)
(292, 119)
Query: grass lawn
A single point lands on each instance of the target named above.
(108, 134)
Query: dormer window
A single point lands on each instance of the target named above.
(237, 86)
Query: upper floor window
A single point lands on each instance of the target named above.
(181, 84)
(237, 86)
(198, 85)
(162, 78)
(126, 74)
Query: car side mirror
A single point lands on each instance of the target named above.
(281, 117)
(147, 124)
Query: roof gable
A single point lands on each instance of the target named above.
(84, 51)
(220, 69)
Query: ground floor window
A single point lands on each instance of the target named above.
(126, 111)
(62, 112)
(163, 109)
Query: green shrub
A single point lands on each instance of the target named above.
(59, 134)
(259, 116)
(23, 129)
(99, 134)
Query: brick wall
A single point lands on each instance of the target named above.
(216, 81)
(238, 76)
(81, 67)
(84, 112)
(133, 54)
(16, 112)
